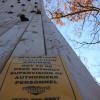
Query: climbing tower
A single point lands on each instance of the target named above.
(36, 62)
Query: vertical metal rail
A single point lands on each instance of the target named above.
(45, 47)
(68, 79)
(44, 39)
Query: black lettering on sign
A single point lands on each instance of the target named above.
(36, 90)
(36, 82)
(20, 99)
(36, 78)
(48, 98)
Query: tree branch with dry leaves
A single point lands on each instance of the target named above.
(80, 10)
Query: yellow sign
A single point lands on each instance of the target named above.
(36, 78)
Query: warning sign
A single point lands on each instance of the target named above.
(36, 78)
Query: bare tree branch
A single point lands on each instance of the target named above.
(77, 12)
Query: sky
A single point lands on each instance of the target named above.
(89, 54)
